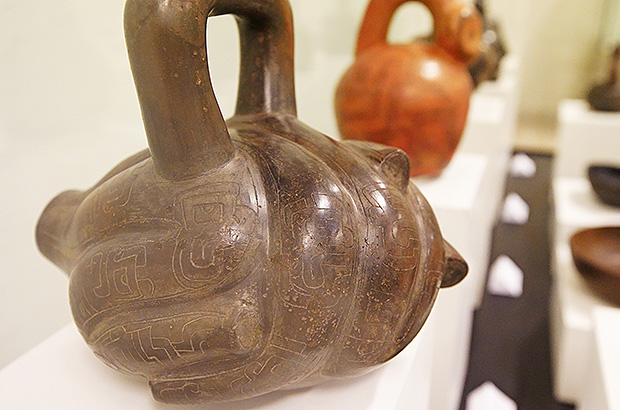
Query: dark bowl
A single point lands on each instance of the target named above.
(487, 66)
(605, 181)
(605, 97)
(596, 253)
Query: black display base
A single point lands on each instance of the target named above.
(510, 339)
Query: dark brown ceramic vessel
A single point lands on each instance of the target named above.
(596, 253)
(605, 181)
(234, 259)
(492, 51)
(606, 97)
(412, 96)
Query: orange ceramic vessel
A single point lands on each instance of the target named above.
(412, 96)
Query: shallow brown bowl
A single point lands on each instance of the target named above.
(596, 253)
(605, 181)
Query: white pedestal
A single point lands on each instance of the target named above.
(457, 198)
(490, 132)
(490, 128)
(506, 86)
(492, 118)
(601, 390)
(572, 327)
(484, 132)
(585, 137)
(62, 373)
(576, 207)
(487, 134)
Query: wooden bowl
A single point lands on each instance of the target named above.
(605, 181)
(596, 253)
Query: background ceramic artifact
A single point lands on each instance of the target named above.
(606, 97)
(492, 50)
(412, 96)
(605, 181)
(232, 260)
(596, 253)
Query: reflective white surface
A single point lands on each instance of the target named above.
(62, 373)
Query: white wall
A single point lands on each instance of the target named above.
(559, 45)
(66, 107)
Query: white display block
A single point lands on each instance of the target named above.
(601, 390)
(62, 373)
(576, 208)
(490, 132)
(585, 137)
(457, 198)
(573, 304)
(507, 83)
(491, 121)
(572, 326)
(485, 124)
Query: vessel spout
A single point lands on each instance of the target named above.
(52, 228)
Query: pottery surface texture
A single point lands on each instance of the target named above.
(596, 253)
(605, 181)
(492, 50)
(234, 259)
(606, 97)
(413, 96)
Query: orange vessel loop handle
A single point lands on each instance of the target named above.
(457, 26)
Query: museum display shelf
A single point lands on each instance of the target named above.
(600, 391)
(585, 137)
(576, 207)
(487, 134)
(493, 112)
(572, 326)
(67, 375)
(490, 132)
(458, 199)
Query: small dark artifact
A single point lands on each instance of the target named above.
(234, 259)
(413, 96)
(596, 253)
(493, 49)
(605, 181)
(606, 97)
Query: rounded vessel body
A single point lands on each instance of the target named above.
(412, 96)
(232, 259)
(596, 253)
